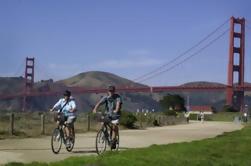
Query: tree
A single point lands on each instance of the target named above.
(172, 104)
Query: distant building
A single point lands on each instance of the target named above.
(197, 109)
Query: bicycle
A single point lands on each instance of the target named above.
(59, 136)
(104, 136)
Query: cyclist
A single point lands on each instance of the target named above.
(113, 103)
(67, 106)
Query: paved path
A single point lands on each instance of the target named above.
(38, 149)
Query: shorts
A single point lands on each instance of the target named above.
(115, 122)
(114, 119)
(70, 120)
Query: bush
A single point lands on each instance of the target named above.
(128, 119)
(170, 113)
(155, 123)
(228, 108)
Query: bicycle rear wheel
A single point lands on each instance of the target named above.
(56, 141)
(72, 142)
(117, 144)
(101, 142)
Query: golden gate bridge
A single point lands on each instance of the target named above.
(234, 91)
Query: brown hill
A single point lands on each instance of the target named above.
(84, 101)
(98, 79)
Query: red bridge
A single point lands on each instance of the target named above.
(231, 89)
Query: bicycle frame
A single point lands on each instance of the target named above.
(104, 137)
(60, 131)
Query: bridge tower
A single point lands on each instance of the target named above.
(29, 78)
(235, 88)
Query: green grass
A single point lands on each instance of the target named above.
(229, 149)
(224, 116)
(220, 116)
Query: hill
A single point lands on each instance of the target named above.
(85, 102)
(132, 101)
(98, 79)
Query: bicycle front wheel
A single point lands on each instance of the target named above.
(101, 142)
(56, 141)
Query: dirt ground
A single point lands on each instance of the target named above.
(38, 149)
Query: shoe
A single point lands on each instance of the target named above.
(68, 143)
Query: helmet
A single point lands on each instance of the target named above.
(111, 88)
(67, 93)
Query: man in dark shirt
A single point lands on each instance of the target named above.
(113, 103)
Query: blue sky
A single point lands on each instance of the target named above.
(127, 38)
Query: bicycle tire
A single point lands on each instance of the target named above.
(69, 149)
(117, 143)
(56, 137)
(101, 139)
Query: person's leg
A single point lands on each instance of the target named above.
(67, 126)
(114, 131)
(70, 124)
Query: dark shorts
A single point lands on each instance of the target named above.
(114, 119)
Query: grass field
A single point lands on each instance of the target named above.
(220, 116)
(229, 149)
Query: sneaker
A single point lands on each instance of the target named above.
(68, 143)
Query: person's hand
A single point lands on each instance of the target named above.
(94, 110)
(72, 110)
(51, 110)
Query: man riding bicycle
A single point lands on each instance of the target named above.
(67, 107)
(113, 103)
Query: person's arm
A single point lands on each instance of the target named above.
(118, 105)
(56, 105)
(100, 102)
(73, 106)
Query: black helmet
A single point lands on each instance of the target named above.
(67, 93)
(111, 88)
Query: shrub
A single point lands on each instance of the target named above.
(128, 119)
(228, 108)
(170, 113)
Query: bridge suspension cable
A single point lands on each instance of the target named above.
(182, 54)
(19, 70)
(44, 75)
(186, 59)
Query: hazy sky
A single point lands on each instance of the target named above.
(125, 37)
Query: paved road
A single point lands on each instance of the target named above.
(38, 149)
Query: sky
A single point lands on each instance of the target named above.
(128, 38)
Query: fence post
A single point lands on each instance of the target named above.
(160, 120)
(88, 122)
(141, 119)
(42, 124)
(11, 130)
